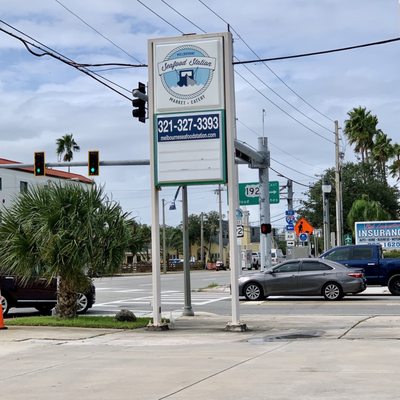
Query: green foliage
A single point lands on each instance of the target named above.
(63, 231)
(366, 210)
(66, 146)
(84, 321)
(358, 180)
(392, 254)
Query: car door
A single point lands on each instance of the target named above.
(36, 290)
(312, 276)
(362, 257)
(283, 278)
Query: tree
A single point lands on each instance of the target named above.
(394, 168)
(63, 231)
(382, 151)
(365, 209)
(357, 180)
(66, 146)
(360, 130)
(140, 239)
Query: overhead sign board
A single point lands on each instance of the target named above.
(249, 193)
(385, 233)
(188, 78)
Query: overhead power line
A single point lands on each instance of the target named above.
(63, 59)
(95, 30)
(267, 66)
(316, 53)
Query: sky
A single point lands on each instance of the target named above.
(42, 98)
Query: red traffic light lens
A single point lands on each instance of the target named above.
(266, 228)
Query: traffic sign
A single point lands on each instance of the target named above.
(289, 212)
(303, 226)
(249, 193)
(290, 227)
(290, 243)
(289, 219)
(239, 231)
(348, 239)
(290, 235)
(303, 237)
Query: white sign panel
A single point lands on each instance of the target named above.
(189, 110)
(239, 231)
(385, 233)
(188, 74)
(289, 235)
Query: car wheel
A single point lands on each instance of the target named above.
(82, 303)
(44, 310)
(5, 303)
(332, 291)
(394, 285)
(253, 292)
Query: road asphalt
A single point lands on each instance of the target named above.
(278, 357)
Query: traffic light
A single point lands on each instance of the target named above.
(93, 163)
(139, 103)
(39, 168)
(266, 228)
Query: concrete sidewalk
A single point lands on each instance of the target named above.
(296, 357)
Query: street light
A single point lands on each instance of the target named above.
(326, 189)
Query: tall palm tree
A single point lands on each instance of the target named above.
(394, 168)
(63, 231)
(360, 129)
(66, 146)
(382, 152)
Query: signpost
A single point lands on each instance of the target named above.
(192, 136)
(249, 193)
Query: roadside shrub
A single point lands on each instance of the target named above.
(125, 316)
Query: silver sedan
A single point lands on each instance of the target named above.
(303, 277)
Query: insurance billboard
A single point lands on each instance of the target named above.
(385, 233)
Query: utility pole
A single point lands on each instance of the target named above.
(338, 189)
(265, 216)
(289, 194)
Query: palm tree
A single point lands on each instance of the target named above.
(63, 231)
(382, 152)
(360, 129)
(66, 146)
(394, 168)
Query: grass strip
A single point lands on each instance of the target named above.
(83, 321)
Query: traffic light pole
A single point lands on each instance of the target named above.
(265, 217)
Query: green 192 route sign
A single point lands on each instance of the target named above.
(249, 193)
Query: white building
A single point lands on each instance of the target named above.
(13, 181)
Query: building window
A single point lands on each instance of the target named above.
(23, 187)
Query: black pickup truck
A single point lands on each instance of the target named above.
(377, 269)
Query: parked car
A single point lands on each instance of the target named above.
(277, 256)
(38, 293)
(369, 257)
(303, 277)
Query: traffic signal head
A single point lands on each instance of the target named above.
(39, 165)
(139, 104)
(266, 228)
(93, 163)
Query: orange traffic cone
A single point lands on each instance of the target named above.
(2, 326)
